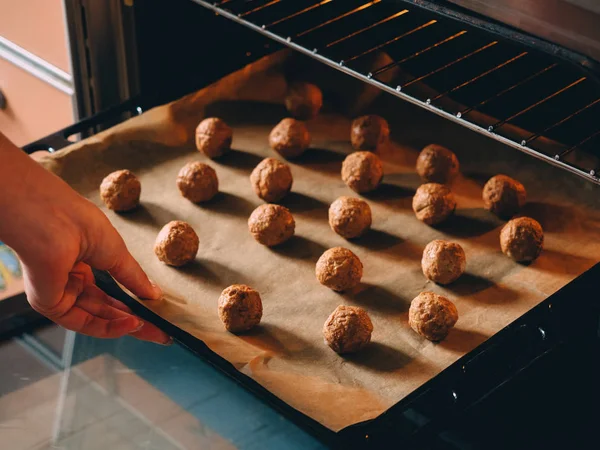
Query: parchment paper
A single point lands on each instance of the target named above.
(286, 354)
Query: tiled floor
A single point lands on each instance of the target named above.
(103, 405)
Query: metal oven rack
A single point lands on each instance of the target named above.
(539, 98)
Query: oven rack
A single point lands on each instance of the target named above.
(534, 96)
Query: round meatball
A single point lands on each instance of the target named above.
(290, 138)
(443, 262)
(198, 182)
(504, 196)
(303, 100)
(432, 316)
(120, 191)
(348, 329)
(271, 224)
(433, 203)
(339, 269)
(240, 308)
(437, 164)
(213, 137)
(522, 239)
(271, 179)
(176, 244)
(362, 171)
(369, 132)
(349, 217)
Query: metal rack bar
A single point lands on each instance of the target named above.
(414, 55)
(397, 38)
(536, 104)
(362, 30)
(298, 13)
(569, 117)
(478, 77)
(466, 111)
(450, 64)
(335, 19)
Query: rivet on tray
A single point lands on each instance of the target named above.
(51, 149)
(455, 396)
(289, 39)
(341, 63)
(428, 101)
(139, 110)
(263, 27)
(490, 128)
(398, 88)
(369, 75)
(557, 157)
(315, 50)
(459, 115)
(592, 172)
(464, 369)
(542, 332)
(523, 142)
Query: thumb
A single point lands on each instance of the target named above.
(111, 254)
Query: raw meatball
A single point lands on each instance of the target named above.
(369, 132)
(197, 182)
(349, 217)
(348, 329)
(240, 308)
(433, 203)
(120, 191)
(522, 239)
(213, 137)
(339, 269)
(271, 224)
(289, 138)
(271, 179)
(443, 262)
(176, 244)
(303, 100)
(362, 171)
(503, 196)
(432, 316)
(437, 164)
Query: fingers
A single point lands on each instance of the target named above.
(107, 251)
(99, 304)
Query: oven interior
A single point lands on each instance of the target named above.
(522, 91)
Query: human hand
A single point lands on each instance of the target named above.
(59, 236)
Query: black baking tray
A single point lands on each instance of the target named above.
(567, 320)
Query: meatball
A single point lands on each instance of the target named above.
(433, 203)
(362, 171)
(120, 191)
(522, 239)
(213, 137)
(339, 269)
(240, 308)
(504, 196)
(290, 138)
(369, 133)
(271, 179)
(176, 244)
(349, 217)
(443, 262)
(437, 164)
(432, 316)
(303, 100)
(271, 224)
(348, 329)
(198, 182)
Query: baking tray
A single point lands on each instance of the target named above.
(440, 393)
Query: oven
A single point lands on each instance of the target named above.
(511, 71)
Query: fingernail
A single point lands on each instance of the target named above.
(169, 341)
(139, 327)
(157, 291)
